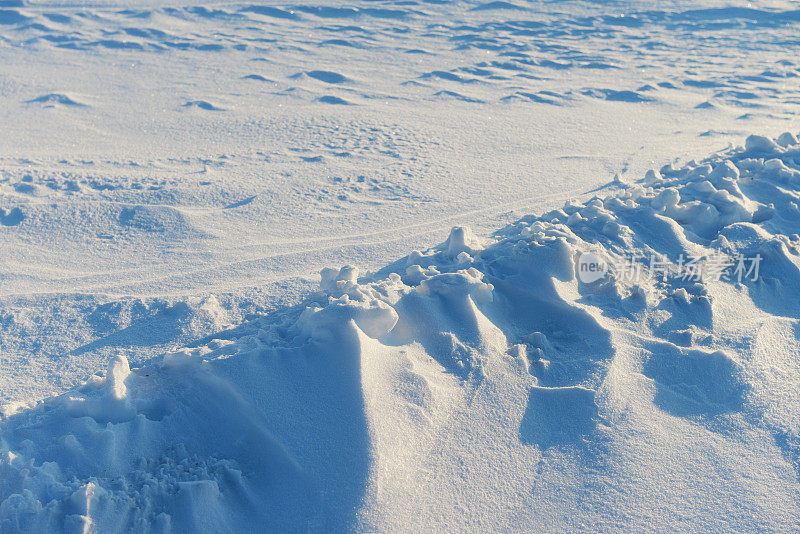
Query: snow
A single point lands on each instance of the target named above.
(220, 309)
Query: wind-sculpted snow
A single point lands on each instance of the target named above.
(473, 52)
(480, 385)
(163, 151)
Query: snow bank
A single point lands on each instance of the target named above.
(478, 385)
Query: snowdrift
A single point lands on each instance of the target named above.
(480, 385)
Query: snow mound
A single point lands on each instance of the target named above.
(479, 385)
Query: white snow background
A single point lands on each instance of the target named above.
(175, 176)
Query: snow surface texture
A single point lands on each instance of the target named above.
(156, 152)
(476, 386)
(169, 170)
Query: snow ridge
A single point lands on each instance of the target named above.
(477, 385)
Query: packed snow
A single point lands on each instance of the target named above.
(205, 326)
